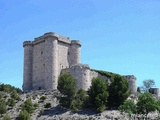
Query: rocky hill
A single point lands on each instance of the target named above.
(53, 112)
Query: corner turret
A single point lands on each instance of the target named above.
(75, 52)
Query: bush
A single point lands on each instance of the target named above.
(98, 94)
(9, 88)
(118, 91)
(146, 103)
(24, 115)
(42, 98)
(79, 101)
(128, 107)
(3, 108)
(47, 105)
(67, 86)
(6, 117)
(15, 95)
(11, 102)
(28, 106)
(36, 105)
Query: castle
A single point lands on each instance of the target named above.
(49, 55)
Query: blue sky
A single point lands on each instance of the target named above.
(121, 36)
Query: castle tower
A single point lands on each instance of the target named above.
(45, 57)
(27, 77)
(51, 61)
(75, 52)
(132, 83)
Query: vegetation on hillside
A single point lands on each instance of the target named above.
(107, 74)
(116, 93)
(8, 88)
(99, 97)
(146, 104)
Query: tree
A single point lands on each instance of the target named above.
(79, 101)
(146, 103)
(147, 84)
(138, 90)
(3, 108)
(28, 106)
(128, 107)
(67, 86)
(118, 91)
(24, 115)
(98, 94)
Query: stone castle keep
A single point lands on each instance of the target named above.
(49, 55)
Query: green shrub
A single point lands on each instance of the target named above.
(146, 103)
(128, 107)
(118, 91)
(79, 101)
(28, 106)
(98, 94)
(15, 95)
(42, 98)
(6, 117)
(36, 105)
(9, 88)
(11, 102)
(3, 108)
(24, 115)
(47, 105)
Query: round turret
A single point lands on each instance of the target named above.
(28, 55)
(132, 83)
(75, 52)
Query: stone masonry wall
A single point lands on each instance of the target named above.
(38, 66)
(63, 56)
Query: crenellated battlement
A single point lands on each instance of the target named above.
(27, 43)
(76, 42)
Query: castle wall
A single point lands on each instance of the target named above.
(38, 80)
